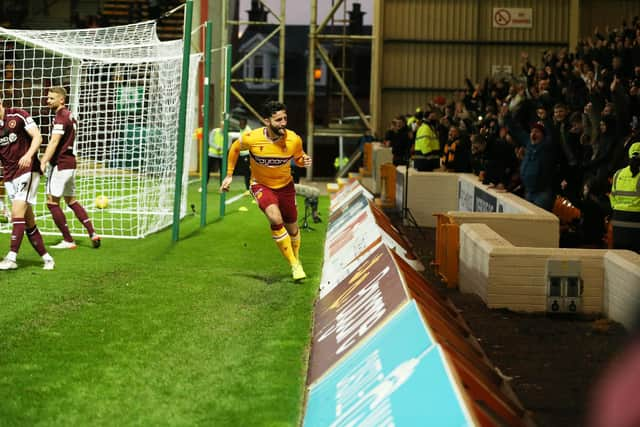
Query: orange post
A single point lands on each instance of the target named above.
(452, 252)
(388, 174)
(437, 260)
(447, 250)
(367, 159)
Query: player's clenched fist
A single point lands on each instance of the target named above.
(226, 183)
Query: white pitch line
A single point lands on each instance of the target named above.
(89, 208)
(235, 198)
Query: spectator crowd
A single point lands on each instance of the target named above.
(556, 131)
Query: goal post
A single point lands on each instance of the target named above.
(123, 87)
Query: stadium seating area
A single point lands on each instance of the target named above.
(588, 103)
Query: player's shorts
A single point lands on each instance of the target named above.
(284, 197)
(61, 182)
(24, 187)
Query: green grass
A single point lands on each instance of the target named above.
(208, 331)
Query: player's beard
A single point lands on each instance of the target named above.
(277, 131)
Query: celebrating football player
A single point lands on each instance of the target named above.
(271, 148)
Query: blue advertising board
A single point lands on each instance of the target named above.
(398, 377)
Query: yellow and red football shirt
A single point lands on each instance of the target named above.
(269, 160)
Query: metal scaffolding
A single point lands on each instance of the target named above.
(279, 30)
(316, 36)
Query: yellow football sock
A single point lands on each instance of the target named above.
(282, 239)
(295, 244)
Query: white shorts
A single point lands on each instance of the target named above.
(61, 182)
(24, 187)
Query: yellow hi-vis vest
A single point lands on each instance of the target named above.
(625, 191)
(337, 163)
(216, 140)
(426, 140)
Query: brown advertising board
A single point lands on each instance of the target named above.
(362, 302)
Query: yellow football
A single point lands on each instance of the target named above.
(101, 202)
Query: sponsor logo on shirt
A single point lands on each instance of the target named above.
(8, 139)
(271, 162)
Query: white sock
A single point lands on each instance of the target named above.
(11, 256)
(47, 257)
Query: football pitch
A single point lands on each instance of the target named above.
(210, 330)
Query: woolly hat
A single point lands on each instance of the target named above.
(440, 100)
(539, 126)
(634, 150)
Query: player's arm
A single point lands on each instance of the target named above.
(232, 159)
(51, 149)
(36, 140)
(300, 157)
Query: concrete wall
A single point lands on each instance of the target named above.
(506, 276)
(622, 286)
(517, 220)
(477, 241)
(541, 231)
(517, 277)
(429, 193)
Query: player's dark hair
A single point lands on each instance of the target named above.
(271, 107)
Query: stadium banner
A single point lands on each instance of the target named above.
(342, 195)
(350, 190)
(352, 232)
(483, 201)
(398, 377)
(365, 299)
(346, 212)
(355, 239)
(342, 249)
(473, 196)
(465, 195)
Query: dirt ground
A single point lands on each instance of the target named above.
(553, 360)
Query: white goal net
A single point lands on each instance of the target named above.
(124, 90)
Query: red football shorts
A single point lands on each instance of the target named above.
(284, 197)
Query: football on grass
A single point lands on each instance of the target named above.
(101, 202)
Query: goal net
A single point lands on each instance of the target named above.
(124, 90)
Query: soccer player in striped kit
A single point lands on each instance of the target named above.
(20, 140)
(61, 178)
(271, 148)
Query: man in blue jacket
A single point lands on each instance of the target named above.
(537, 166)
